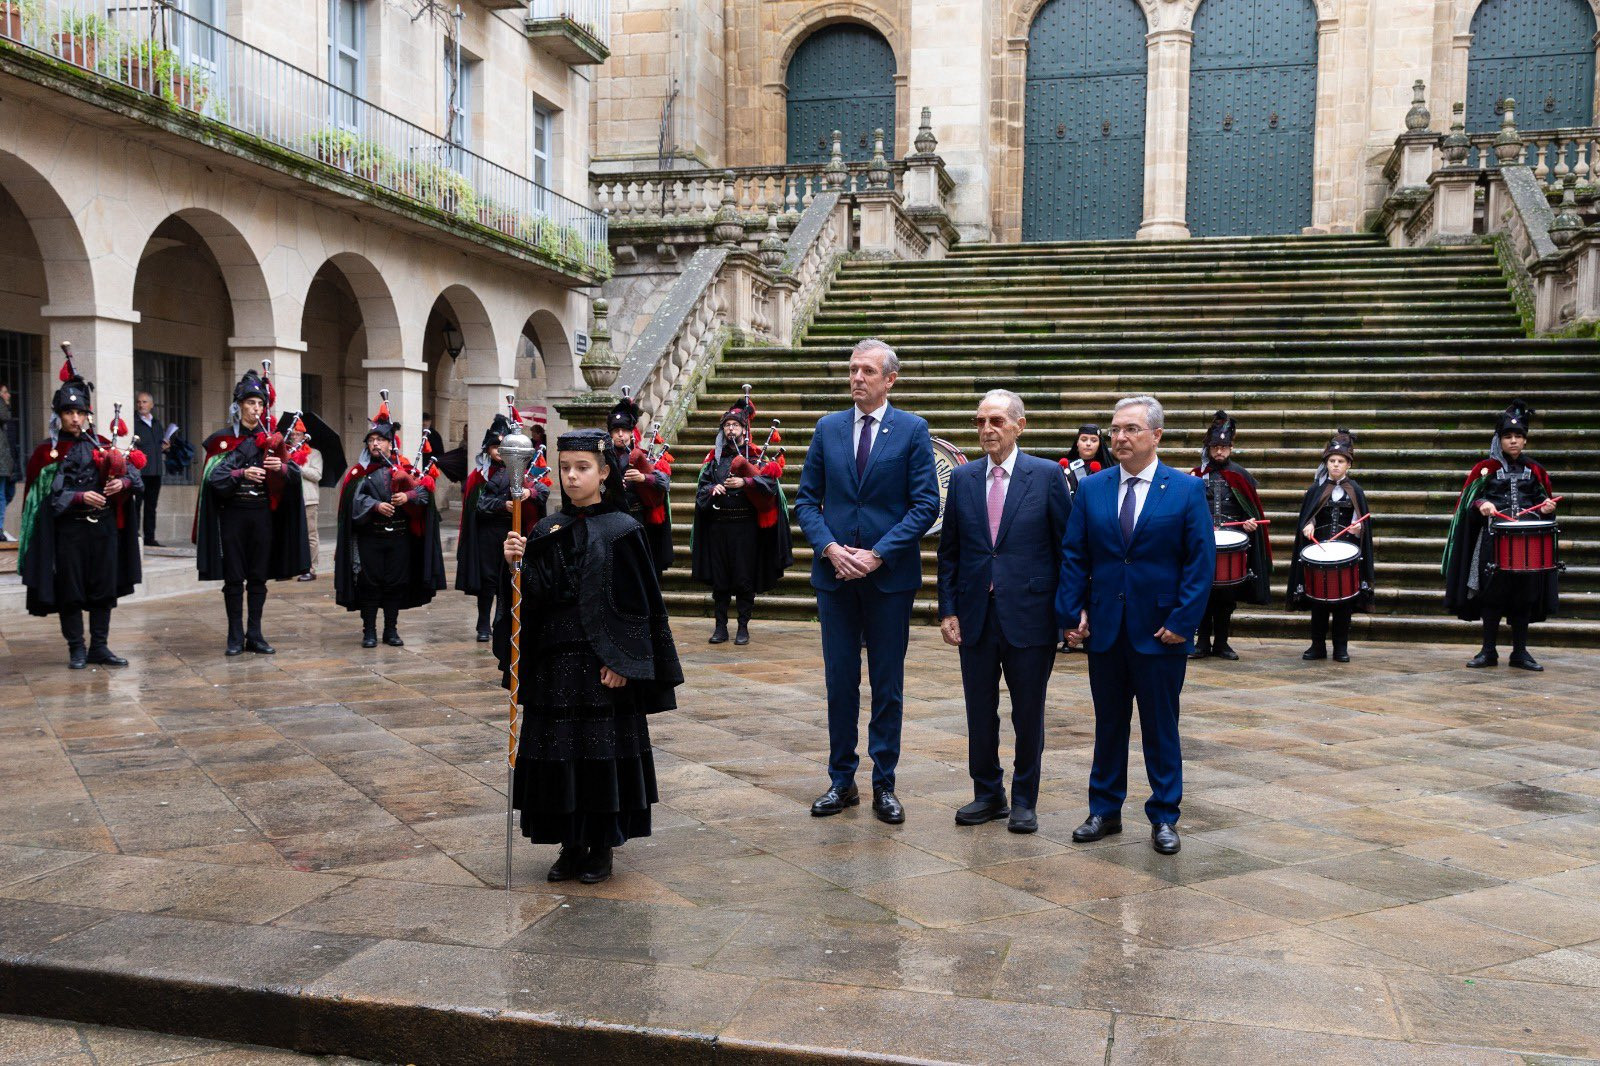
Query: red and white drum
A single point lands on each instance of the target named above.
(1233, 557)
(1331, 573)
(1526, 546)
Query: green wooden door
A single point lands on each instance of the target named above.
(841, 78)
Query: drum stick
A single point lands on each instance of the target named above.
(1507, 517)
(1535, 507)
(1257, 521)
(1351, 526)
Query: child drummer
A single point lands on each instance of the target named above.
(1504, 488)
(1235, 505)
(1334, 511)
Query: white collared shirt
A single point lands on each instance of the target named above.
(1141, 488)
(1009, 466)
(858, 420)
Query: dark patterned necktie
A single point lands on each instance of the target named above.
(1129, 487)
(864, 445)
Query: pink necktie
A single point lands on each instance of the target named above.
(997, 502)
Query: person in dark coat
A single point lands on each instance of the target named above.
(1507, 483)
(1090, 455)
(388, 555)
(80, 525)
(646, 479)
(1334, 509)
(250, 517)
(596, 656)
(149, 441)
(10, 457)
(1234, 503)
(486, 519)
(740, 544)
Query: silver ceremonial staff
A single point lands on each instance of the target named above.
(516, 450)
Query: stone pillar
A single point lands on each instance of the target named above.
(1166, 135)
(486, 397)
(1325, 166)
(285, 356)
(405, 382)
(102, 351)
(876, 208)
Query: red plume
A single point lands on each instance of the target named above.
(299, 426)
(383, 412)
(119, 427)
(68, 371)
(1094, 468)
(427, 446)
(777, 438)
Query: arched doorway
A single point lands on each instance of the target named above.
(1540, 53)
(1083, 134)
(1252, 116)
(841, 78)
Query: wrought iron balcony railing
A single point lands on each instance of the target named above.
(149, 46)
(592, 16)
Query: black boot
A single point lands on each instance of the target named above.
(567, 864)
(233, 601)
(1519, 647)
(719, 633)
(1489, 654)
(369, 627)
(1341, 636)
(1224, 626)
(253, 640)
(485, 617)
(747, 606)
(596, 866)
(391, 630)
(1319, 635)
(99, 633)
(72, 629)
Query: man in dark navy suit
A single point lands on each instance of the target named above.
(1136, 569)
(867, 495)
(999, 563)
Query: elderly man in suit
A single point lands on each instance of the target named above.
(1137, 562)
(999, 564)
(867, 495)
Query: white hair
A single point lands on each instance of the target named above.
(1013, 402)
(1155, 414)
(891, 361)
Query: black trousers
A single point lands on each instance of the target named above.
(152, 495)
(385, 571)
(986, 658)
(99, 626)
(246, 558)
(1217, 623)
(1339, 615)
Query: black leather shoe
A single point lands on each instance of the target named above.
(1525, 662)
(77, 659)
(1483, 659)
(887, 807)
(369, 638)
(106, 657)
(1200, 652)
(979, 811)
(1023, 820)
(835, 800)
(153, 544)
(391, 637)
(259, 645)
(596, 866)
(565, 868)
(236, 647)
(1341, 655)
(1316, 651)
(484, 636)
(1096, 826)
(1164, 838)
(742, 636)
(719, 635)
(1225, 652)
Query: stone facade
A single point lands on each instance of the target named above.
(967, 59)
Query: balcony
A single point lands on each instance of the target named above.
(575, 31)
(151, 60)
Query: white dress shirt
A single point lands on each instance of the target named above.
(859, 420)
(1009, 466)
(1140, 483)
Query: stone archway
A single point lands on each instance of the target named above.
(1539, 52)
(349, 322)
(841, 77)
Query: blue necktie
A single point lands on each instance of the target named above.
(864, 445)
(1127, 509)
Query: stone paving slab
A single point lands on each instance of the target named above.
(1396, 860)
(42, 1042)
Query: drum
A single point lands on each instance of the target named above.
(1330, 573)
(1527, 546)
(946, 457)
(1233, 557)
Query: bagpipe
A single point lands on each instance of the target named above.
(268, 439)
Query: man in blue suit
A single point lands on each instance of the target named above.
(867, 495)
(1136, 569)
(999, 562)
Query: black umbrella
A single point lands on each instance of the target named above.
(453, 464)
(325, 439)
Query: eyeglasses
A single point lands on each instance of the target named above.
(1127, 431)
(997, 421)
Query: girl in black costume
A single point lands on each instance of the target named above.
(596, 657)
(1332, 504)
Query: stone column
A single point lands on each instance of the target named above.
(405, 382)
(486, 397)
(1166, 135)
(1325, 138)
(102, 351)
(285, 356)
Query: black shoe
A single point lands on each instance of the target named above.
(484, 636)
(259, 645)
(1316, 651)
(1096, 826)
(743, 635)
(1200, 652)
(565, 868)
(835, 800)
(1341, 655)
(391, 637)
(1223, 651)
(235, 646)
(307, 576)
(887, 807)
(979, 811)
(1483, 659)
(1525, 661)
(1164, 838)
(104, 656)
(719, 635)
(369, 638)
(596, 866)
(77, 658)
(153, 544)
(1023, 820)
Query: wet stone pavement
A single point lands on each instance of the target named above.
(1394, 861)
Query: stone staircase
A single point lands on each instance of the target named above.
(1414, 350)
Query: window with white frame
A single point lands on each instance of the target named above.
(544, 148)
(198, 44)
(460, 99)
(347, 24)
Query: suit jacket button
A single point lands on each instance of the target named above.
(1120, 596)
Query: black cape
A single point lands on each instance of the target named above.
(773, 542)
(427, 558)
(1247, 498)
(46, 500)
(1309, 506)
(291, 546)
(1472, 587)
(481, 542)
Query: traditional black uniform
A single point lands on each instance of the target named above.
(247, 532)
(1232, 497)
(1330, 507)
(585, 778)
(389, 562)
(1475, 588)
(485, 521)
(74, 556)
(1076, 467)
(741, 543)
(648, 501)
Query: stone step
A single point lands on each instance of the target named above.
(1198, 325)
(1174, 332)
(1098, 312)
(933, 297)
(1372, 240)
(1176, 280)
(1481, 258)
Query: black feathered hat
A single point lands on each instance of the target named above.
(625, 415)
(75, 392)
(1222, 429)
(1090, 428)
(1343, 443)
(381, 423)
(1517, 418)
(498, 430)
(251, 387)
(742, 412)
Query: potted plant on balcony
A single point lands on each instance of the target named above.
(78, 39)
(144, 65)
(497, 217)
(14, 14)
(334, 147)
(183, 84)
